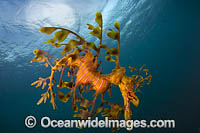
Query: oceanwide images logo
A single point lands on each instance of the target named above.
(46, 122)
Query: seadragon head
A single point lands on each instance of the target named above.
(126, 84)
(126, 88)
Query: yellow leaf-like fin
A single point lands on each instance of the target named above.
(64, 98)
(114, 35)
(74, 42)
(47, 30)
(96, 32)
(98, 110)
(52, 40)
(98, 18)
(116, 24)
(91, 27)
(40, 101)
(91, 45)
(112, 51)
(34, 83)
(61, 35)
(44, 84)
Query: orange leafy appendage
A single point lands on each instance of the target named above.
(79, 63)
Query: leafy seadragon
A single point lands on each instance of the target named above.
(83, 68)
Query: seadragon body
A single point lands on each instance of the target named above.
(82, 65)
(87, 74)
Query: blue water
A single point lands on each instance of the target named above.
(164, 35)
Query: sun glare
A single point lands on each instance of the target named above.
(49, 14)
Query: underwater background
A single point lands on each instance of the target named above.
(163, 34)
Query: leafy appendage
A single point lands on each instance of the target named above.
(115, 35)
(141, 77)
